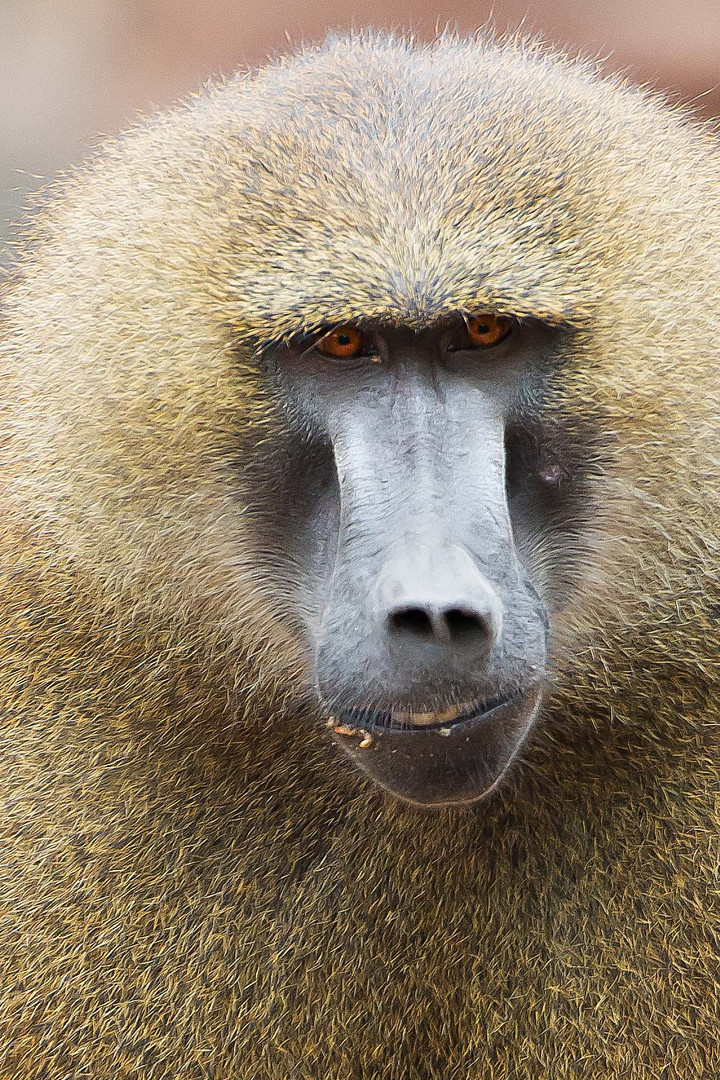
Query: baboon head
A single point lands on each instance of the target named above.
(354, 367)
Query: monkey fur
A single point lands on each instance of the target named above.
(196, 882)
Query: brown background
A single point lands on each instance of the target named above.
(72, 68)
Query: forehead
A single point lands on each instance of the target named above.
(409, 185)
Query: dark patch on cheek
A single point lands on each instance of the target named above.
(305, 510)
(286, 490)
(551, 496)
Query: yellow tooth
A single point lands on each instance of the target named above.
(422, 719)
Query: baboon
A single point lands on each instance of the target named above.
(360, 582)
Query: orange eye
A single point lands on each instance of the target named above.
(343, 342)
(484, 331)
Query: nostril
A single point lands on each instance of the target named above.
(412, 620)
(451, 626)
(464, 625)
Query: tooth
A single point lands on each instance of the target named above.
(450, 714)
(420, 719)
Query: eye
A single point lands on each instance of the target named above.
(344, 342)
(484, 331)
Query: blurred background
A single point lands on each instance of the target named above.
(70, 69)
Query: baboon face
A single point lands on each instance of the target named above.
(418, 490)
(425, 304)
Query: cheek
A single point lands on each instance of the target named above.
(552, 502)
(300, 525)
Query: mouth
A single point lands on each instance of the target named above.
(442, 757)
(441, 720)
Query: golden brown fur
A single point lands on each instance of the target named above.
(193, 883)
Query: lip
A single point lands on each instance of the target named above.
(405, 720)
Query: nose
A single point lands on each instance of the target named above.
(437, 595)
